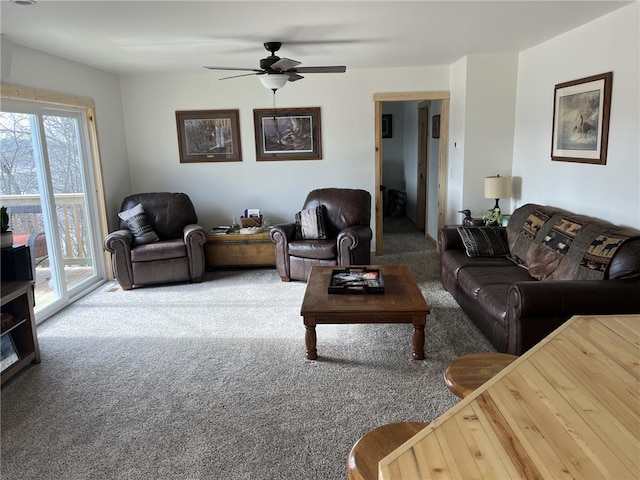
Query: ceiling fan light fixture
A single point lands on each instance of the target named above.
(274, 81)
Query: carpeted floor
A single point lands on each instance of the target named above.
(210, 381)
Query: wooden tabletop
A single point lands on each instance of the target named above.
(568, 408)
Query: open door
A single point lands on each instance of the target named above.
(378, 98)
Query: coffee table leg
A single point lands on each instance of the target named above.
(310, 341)
(418, 341)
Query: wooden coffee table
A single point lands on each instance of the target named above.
(402, 302)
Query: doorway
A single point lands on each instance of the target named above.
(47, 184)
(422, 174)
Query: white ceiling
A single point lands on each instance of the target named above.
(130, 37)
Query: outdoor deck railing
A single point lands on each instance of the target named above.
(25, 218)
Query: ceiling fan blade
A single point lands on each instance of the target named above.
(284, 64)
(294, 76)
(234, 68)
(328, 69)
(238, 76)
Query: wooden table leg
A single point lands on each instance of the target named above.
(310, 341)
(418, 339)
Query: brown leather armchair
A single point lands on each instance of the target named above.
(348, 242)
(178, 255)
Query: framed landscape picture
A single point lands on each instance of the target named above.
(208, 136)
(581, 111)
(288, 134)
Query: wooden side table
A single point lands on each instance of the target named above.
(20, 331)
(240, 250)
(468, 372)
(376, 444)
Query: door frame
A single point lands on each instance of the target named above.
(378, 99)
(16, 92)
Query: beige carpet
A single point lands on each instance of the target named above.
(210, 381)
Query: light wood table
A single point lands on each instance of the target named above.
(401, 302)
(567, 408)
(240, 250)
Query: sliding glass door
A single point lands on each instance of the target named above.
(46, 185)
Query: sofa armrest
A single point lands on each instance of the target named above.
(118, 243)
(449, 239)
(195, 238)
(354, 245)
(536, 308)
(281, 235)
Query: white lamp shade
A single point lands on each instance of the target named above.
(497, 187)
(273, 81)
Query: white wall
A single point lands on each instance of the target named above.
(220, 190)
(489, 125)
(410, 145)
(457, 114)
(432, 173)
(610, 191)
(31, 68)
(392, 148)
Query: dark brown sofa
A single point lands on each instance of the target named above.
(558, 264)
(348, 242)
(176, 256)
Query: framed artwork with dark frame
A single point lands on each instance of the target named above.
(287, 134)
(581, 111)
(209, 136)
(435, 126)
(387, 125)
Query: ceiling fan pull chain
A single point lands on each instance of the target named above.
(274, 105)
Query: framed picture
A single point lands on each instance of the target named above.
(387, 125)
(8, 353)
(435, 126)
(581, 111)
(208, 136)
(288, 134)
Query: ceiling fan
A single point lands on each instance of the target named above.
(275, 72)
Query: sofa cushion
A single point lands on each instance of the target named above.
(318, 249)
(626, 262)
(139, 225)
(162, 250)
(493, 300)
(455, 260)
(483, 241)
(310, 223)
(473, 279)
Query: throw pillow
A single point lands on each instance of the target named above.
(139, 225)
(310, 224)
(483, 241)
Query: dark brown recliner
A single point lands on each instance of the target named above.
(178, 256)
(347, 219)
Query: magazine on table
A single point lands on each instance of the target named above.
(356, 280)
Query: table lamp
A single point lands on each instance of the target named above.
(497, 187)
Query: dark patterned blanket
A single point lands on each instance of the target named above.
(558, 245)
